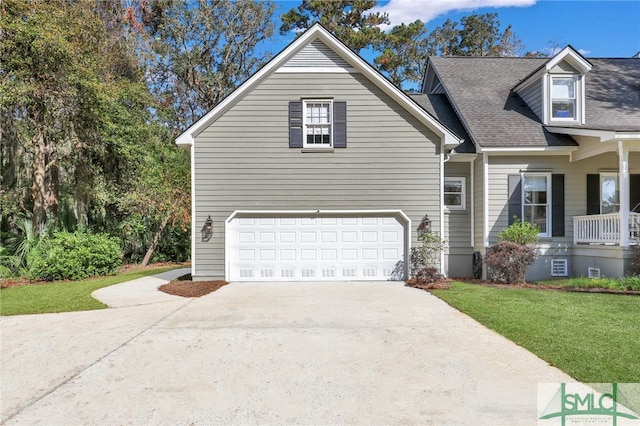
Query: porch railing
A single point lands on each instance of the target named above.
(604, 229)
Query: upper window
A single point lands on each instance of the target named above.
(317, 124)
(536, 201)
(563, 98)
(454, 193)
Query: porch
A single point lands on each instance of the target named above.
(616, 229)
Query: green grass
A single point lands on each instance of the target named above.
(626, 283)
(64, 296)
(595, 338)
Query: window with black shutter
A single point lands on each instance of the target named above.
(317, 124)
(537, 198)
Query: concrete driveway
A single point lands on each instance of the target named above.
(269, 353)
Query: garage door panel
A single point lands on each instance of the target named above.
(328, 248)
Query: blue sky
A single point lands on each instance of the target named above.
(596, 28)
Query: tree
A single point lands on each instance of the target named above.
(346, 19)
(61, 73)
(404, 53)
(202, 51)
(445, 40)
(475, 35)
(80, 141)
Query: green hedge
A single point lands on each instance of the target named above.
(74, 256)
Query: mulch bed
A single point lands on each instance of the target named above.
(441, 284)
(188, 288)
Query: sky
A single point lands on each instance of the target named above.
(609, 28)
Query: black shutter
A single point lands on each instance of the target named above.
(593, 194)
(557, 205)
(295, 124)
(515, 198)
(634, 193)
(339, 124)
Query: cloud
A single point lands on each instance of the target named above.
(552, 51)
(406, 11)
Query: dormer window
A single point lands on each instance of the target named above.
(563, 98)
(556, 91)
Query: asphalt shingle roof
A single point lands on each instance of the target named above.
(439, 107)
(613, 95)
(495, 116)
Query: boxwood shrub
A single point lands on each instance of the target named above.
(74, 256)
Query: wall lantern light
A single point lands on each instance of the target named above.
(424, 227)
(207, 229)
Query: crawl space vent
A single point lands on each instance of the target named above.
(559, 268)
(593, 273)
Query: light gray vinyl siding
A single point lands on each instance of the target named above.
(532, 96)
(316, 54)
(243, 160)
(457, 226)
(575, 191)
(478, 243)
(575, 186)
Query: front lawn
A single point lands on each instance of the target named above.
(65, 296)
(595, 338)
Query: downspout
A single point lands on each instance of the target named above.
(485, 207)
(194, 231)
(472, 186)
(442, 161)
(485, 200)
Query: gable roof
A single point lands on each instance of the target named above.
(481, 91)
(317, 32)
(568, 54)
(439, 107)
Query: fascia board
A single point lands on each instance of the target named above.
(456, 109)
(536, 76)
(188, 136)
(544, 150)
(628, 135)
(388, 88)
(603, 135)
(318, 32)
(570, 55)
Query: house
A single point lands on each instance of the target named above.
(554, 141)
(318, 168)
(315, 168)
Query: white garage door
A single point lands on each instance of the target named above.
(322, 248)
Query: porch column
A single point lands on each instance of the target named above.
(623, 158)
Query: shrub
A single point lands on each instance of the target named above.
(76, 256)
(523, 233)
(417, 261)
(428, 275)
(635, 260)
(423, 256)
(427, 254)
(508, 261)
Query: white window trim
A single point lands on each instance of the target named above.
(579, 99)
(304, 124)
(463, 180)
(549, 202)
(609, 174)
